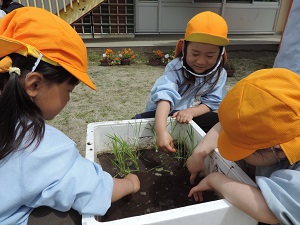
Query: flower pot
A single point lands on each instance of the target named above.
(230, 68)
(106, 62)
(164, 61)
(125, 61)
(230, 72)
(139, 132)
(154, 62)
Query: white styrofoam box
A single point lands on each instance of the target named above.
(140, 132)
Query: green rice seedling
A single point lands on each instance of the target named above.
(172, 123)
(132, 148)
(137, 131)
(185, 144)
(125, 156)
(152, 129)
(193, 143)
(119, 160)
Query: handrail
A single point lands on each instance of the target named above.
(68, 10)
(50, 5)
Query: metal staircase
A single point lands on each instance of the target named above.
(92, 18)
(68, 10)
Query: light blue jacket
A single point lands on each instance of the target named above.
(169, 87)
(53, 175)
(289, 52)
(280, 186)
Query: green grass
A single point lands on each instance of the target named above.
(122, 91)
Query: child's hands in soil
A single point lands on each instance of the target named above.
(195, 165)
(125, 186)
(165, 142)
(135, 182)
(197, 191)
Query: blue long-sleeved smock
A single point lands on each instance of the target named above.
(289, 51)
(279, 185)
(170, 87)
(55, 175)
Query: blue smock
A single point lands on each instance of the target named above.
(279, 185)
(170, 87)
(289, 52)
(55, 175)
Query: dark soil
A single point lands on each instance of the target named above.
(164, 185)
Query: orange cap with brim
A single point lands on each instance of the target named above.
(260, 111)
(206, 27)
(34, 31)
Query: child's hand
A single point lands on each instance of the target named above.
(183, 116)
(165, 142)
(195, 165)
(135, 182)
(197, 191)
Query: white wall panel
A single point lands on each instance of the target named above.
(172, 16)
(147, 18)
(250, 20)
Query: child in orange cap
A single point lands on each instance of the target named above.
(194, 83)
(42, 59)
(259, 125)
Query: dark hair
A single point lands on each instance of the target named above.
(5, 4)
(20, 116)
(9, 5)
(190, 78)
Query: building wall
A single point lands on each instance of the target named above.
(118, 18)
(171, 16)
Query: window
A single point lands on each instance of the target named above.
(110, 17)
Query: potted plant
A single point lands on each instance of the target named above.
(229, 67)
(168, 58)
(147, 206)
(126, 56)
(156, 58)
(107, 58)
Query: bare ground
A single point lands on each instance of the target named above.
(122, 92)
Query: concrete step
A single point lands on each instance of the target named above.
(148, 43)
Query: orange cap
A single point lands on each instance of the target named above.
(261, 110)
(205, 27)
(31, 31)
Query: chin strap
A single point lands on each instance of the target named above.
(37, 62)
(6, 65)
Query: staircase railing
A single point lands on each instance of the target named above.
(68, 10)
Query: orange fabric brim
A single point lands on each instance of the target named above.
(231, 152)
(291, 152)
(9, 46)
(208, 39)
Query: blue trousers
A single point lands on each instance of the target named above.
(47, 216)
